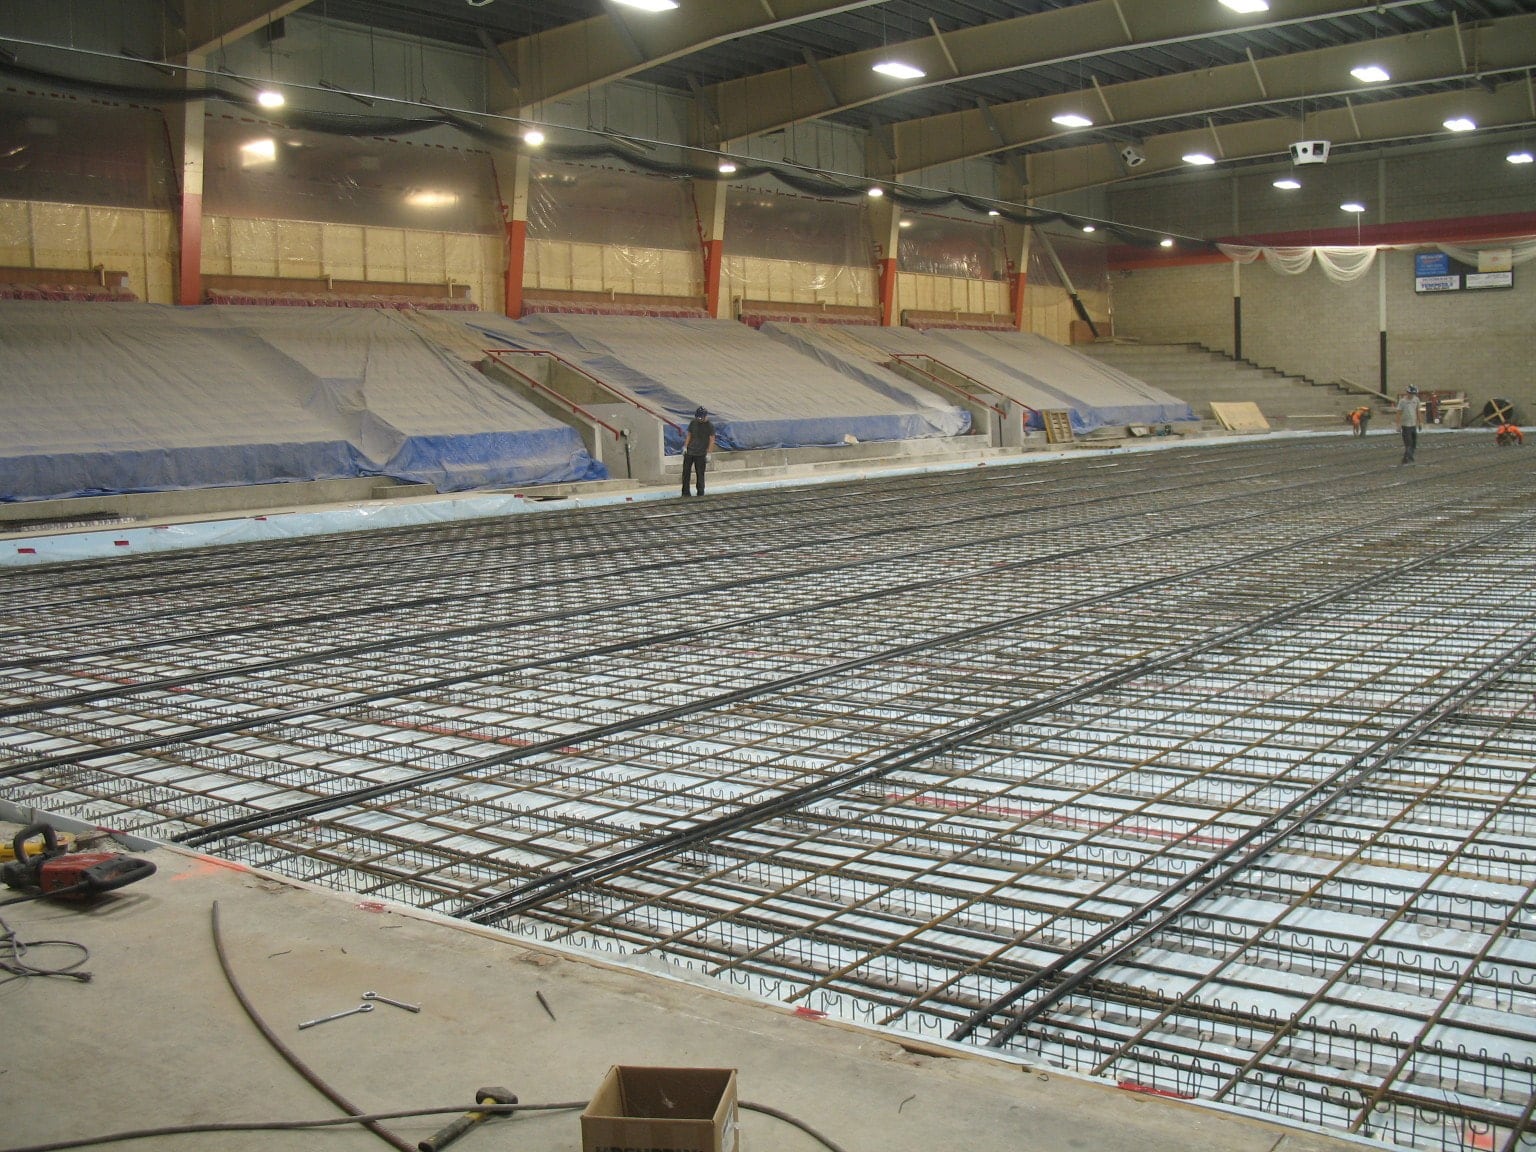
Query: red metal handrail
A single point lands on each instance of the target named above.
(618, 433)
(907, 358)
(497, 353)
(903, 357)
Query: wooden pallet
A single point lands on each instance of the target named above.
(1058, 426)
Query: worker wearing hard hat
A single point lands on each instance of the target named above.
(1408, 420)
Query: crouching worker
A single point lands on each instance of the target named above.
(1508, 434)
(1360, 419)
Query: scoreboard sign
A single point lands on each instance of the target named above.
(1437, 272)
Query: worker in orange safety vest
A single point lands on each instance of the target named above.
(1508, 434)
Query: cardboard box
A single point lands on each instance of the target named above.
(662, 1110)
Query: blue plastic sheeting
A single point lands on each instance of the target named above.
(760, 393)
(1027, 369)
(107, 398)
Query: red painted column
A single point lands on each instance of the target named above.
(714, 250)
(888, 292)
(187, 146)
(517, 257)
(189, 279)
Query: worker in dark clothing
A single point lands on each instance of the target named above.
(1409, 417)
(698, 443)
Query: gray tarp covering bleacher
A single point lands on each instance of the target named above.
(1028, 369)
(759, 392)
(105, 398)
(1112, 396)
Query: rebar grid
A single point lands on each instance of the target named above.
(894, 750)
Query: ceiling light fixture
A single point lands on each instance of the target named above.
(431, 199)
(905, 224)
(1072, 120)
(1089, 228)
(649, 5)
(532, 137)
(1289, 183)
(270, 99)
(1165, 242)
(1246, 7)
(726, 168)
(876, 192)
(1461, 124)
(898, 70)
(995, 212)
(1370, 74)
(1521, 157)
(1199, 159)
(1352, 206)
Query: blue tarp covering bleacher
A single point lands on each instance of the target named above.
(106, 398)
(1027, 369)
(759, 392)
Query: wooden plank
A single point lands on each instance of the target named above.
(1239, 416)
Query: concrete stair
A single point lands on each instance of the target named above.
(1198, 375)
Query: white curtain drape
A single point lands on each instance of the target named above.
(1521, 249)
(1343, 264)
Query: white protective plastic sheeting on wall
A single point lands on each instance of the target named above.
(262, 171)
(637, 232)
(797, 249)
(760, 392)
(105, 398)
(944, 246)
(84, 152)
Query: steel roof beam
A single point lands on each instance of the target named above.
(763, 103)
(1413, 119)
(600, 50)
(1418, 58)
(212, 24)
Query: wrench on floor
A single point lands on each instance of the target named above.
(336, 1016)
(392, 1003)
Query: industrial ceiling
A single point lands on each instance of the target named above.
(1144, 83)
(1154, 77)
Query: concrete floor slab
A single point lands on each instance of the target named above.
(158, 1038)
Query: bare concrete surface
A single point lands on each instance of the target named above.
(158, 1038)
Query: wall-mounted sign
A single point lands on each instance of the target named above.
(1437, 272)
(1431, 264)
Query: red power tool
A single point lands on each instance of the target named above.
(64, 875)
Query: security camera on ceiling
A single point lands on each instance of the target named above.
(1309, 152)
(1132, 156)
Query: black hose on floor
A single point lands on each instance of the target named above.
(369, 1119)
(292, 1057)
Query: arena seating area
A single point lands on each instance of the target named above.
(76, 292)
(335, 300)
(271, 384)
(147, 397)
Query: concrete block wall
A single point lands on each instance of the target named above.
(1481, 342)
(1173, 305)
